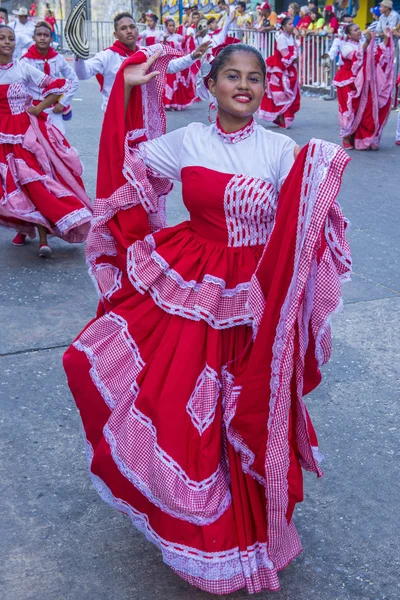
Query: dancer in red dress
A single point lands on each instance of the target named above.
(42, 56)
(190, 380)
(180, 91)
(41, 185)
(364, 86)
(282, 95)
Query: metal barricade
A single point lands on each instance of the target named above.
(100, 35)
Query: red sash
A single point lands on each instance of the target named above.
(34, 54)
(120, 49)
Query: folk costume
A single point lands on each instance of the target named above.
(40, 173)
(282, 95)
(105, 66)
(364, 86)
(190, 379)
(180, 91)
(55, 65)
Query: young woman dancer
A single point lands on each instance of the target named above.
(180, 91)
(190, 380)
(40, 174)
(282, 95)
(364, 86)
(42, 56)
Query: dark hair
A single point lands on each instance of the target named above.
(169, 21)
(4, 26)
(211, 20)
(43, 24)
(285, 21)
(154, 17)
(224, 56)
(242, 4)
(4, 10)
(315, 11)
(348, 27)
(195, 12)
(328, 16)
(120, 16)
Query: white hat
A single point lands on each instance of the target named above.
(21, 12)
(387, 3)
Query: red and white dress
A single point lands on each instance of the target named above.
(190, 379)
(149, 37)
(282, 94)
(40, 174)
(180, 91)
(364, 86)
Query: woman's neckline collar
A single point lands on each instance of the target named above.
(6, 66)
(236, 136)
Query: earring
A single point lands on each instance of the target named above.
(212, 106)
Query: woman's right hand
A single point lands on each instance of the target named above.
(137, 74)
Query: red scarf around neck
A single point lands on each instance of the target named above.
(119, 48)
(34, 53)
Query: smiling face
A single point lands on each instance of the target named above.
(239, 85)
(7, 42)
(126, 32)
(42, 38)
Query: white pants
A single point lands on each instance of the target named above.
(56, 120)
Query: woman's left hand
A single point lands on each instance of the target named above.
(137, 74)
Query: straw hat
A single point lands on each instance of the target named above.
(387, 3)
(75, 31)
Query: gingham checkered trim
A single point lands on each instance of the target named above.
(214, 572)
(250, 207)
(208, 300)
(322, 175)
(204, 399)
(115, 365)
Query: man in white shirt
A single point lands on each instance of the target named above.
(217, 35)
(105, 65)
(24, 28)
(389, 17)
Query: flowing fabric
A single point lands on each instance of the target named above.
(282, 95)
(40, 180)
(180, 91)
(190, 379)
(364, 86)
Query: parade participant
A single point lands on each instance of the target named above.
(24, 28)
(41, 185)
(281, 100)
(105, 65)
(180, 92)
(22, 41)
(42, 56)
(364, 85)
(150, 35)
(190, 380)
(216, 35)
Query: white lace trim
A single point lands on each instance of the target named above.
(204, 399)
(151, 470)
(210, 566)
(71, 220)
(250, 207)
(236, 136)
(207, 300)
(107, 279)
(9, 138)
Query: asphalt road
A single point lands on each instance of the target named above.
(60, 542)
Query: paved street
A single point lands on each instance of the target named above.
(59, 541)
